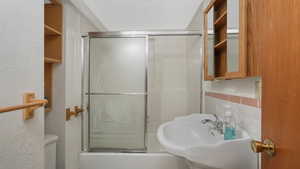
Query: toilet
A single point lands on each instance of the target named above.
(50, 151)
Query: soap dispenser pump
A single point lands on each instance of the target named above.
(229, 126)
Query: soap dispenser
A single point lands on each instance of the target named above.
(229, 126)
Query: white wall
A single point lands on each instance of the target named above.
(75, 25)
(73, 83)
(21, 70)
(87, 13)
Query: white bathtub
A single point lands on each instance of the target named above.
(131, 161)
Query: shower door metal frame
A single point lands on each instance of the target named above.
(89, 94)
(86, 55)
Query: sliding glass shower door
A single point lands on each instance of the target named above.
(117, 93)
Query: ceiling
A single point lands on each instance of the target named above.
(118, 15)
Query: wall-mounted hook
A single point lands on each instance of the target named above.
(69, 113)
(76, 112)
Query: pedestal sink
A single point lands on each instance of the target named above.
(189, 138)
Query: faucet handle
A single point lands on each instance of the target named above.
(216, 117)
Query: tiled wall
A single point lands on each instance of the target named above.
(174, 82)
(246, 110)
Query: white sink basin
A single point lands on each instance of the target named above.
(189, 138)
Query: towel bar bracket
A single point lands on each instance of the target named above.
(29, 98)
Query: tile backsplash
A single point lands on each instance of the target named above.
(247, 111)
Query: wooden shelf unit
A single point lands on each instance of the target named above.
(221, 20)
(51, 60)
(220, 45)
(51, 31)
(216, 15)
(52, 45)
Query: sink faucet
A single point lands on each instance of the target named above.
(216, 125)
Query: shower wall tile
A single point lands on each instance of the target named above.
(174, 82)
(248, 117)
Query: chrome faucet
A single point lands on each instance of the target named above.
(217, 125)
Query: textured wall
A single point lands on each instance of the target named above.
(21, 70)
(75, 25)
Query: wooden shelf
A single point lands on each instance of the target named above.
(221, 20)
(217, 3)
(51, 31)
(56, 1)
(52, 60)
(53, 14)
(221, 44)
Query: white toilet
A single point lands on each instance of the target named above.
(50, 151)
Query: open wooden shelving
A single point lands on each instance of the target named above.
(221, 45)
(216, 20)
(51, 60)
(221, 20)
(51, 31)
(52, 45)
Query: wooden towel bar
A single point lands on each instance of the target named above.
(30, 104)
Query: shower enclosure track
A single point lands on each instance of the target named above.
(85, 59)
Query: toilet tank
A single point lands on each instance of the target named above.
(50, 151)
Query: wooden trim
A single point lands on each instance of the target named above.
(220, 78)
(234, 75)
(210, 5)
(243, 39)
(242, 44)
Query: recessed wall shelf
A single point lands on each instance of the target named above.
(52, 60)
(52, 45)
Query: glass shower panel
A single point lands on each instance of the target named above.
(117, 93)
(117, 121)
(117, 65)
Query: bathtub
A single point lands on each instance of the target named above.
(131, 161)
